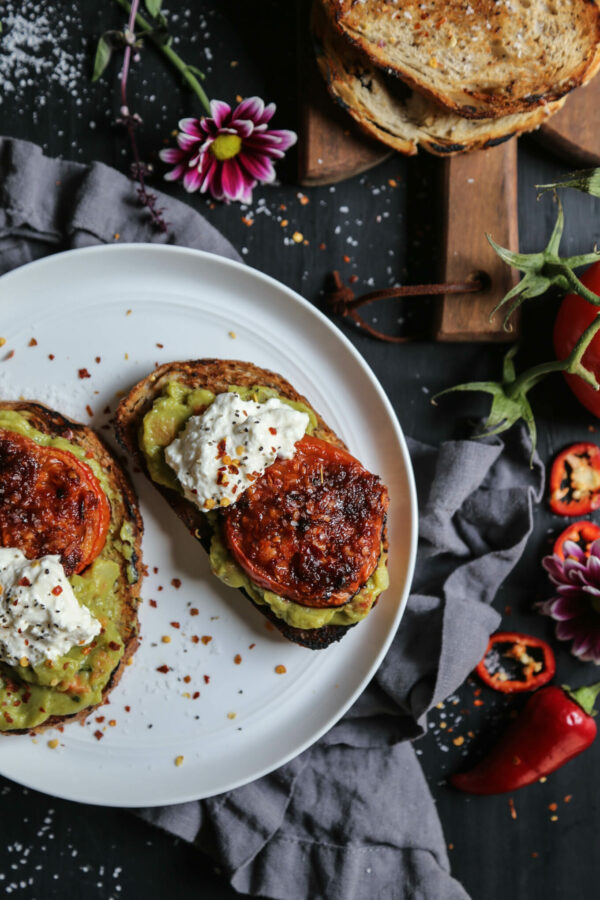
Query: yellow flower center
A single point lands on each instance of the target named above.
(226, 146)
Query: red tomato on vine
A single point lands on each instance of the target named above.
(574, 316)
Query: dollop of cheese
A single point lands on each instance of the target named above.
(221, 452)
(40, 617)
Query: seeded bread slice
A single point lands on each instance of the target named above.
(479, 58)
(216, 375)
(401, 118)
(124, 509)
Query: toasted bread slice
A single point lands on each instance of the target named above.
(216, 375)
(124, 511)
(481, 59)
(401, 118)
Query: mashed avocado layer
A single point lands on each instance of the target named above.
(30, 695)
(160, 426)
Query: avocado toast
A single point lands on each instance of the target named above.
(158, 409)
(64, 496)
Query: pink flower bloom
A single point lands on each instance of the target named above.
(576, 606)
(229, 153)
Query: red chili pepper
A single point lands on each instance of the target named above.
(515, 662)
(575, 480)
(583, 533)
(555, 725)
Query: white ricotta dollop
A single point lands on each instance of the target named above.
(221, 452)
(40, 617)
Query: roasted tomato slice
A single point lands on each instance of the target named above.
(50, 503)
(514, 663)
(575, 480)
(582, 533)
(310, 527)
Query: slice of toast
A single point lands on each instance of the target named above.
(124, 510)
(403, 119)
(216, 375)
(483, 58)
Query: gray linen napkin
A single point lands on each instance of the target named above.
(352, 817)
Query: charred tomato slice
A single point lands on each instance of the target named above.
(310, 528)
(50, 503)
(575, 480)
(515, 662)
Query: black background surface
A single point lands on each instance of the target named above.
(387, 223)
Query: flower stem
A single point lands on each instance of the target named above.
(176, 61)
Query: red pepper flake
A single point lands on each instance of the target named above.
(98, 360)
(57, 591)
(159, 588)
(450, 846)
(113, 645)
(112, 722)
(8, 717)
(568, 798)
(206, 639)
(272, 430)
(89, 410)
(160, 346)
(155, 569)
(176, 582)
(553, 807)
(25, 582)
(195, 695)
(193, 611)
(247, 221)
(346, 259)
(534, 854)
(511, 806)
(187, 678)
(127, 709)
(164, 669)
(99, 718)
(195, 639)
(507, 610)
(83, 373)
(10, 354)
(237, 659)
(477, 702)
(353, 279)
(251, 646)
(51, 356)
(42, 709)
(89, 454)
(206, 679)
(98, 735)
(32, 343)
(153, 604)
(477, 692)
(174, 624)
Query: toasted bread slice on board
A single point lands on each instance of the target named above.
(123, 512)
(399, 117)
(216, 375)
(482, 58)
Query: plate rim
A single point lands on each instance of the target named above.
(336, 334)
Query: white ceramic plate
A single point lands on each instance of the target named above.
(133, 306)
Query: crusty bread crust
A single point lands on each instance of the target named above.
(216, 375)
(125, 509)
(481, 59)
(403, 119)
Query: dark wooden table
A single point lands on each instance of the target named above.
(382, 227)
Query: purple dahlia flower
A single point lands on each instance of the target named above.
(229, 153)
(576, 605)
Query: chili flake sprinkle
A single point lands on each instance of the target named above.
(164, 669)
(206, 639)
(176, 582)
(83, 373)
(237, 659)
(98, 735)
(32, 342)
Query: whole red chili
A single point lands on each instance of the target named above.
(555, 725)
(575, 480)
(582, 533)
(516, 662)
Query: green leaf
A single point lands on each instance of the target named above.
(153, 6)
(102, 58)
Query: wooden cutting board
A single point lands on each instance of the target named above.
(479, 194)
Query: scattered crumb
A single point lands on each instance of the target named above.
(231, 715)
(206, 639)
(237, 659)
(32, 343)
(166, 639)
(53, 744)
(179, 760)
(176, 582)
(232, 335)
(281, 670)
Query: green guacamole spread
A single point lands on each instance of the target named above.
(29, 696)
(160, 427)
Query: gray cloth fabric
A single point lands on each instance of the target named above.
(352, 817)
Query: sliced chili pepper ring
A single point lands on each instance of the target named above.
(515, 662)
(575, 480)
(582, 533)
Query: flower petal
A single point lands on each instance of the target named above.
(244, 127)
(258, 167)
(192, 180)
(192, 126)
(171, 154)
(175, 174)
(219, 111)
(187, 142)
(563, 608)
(234, 180)
(250, 108)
